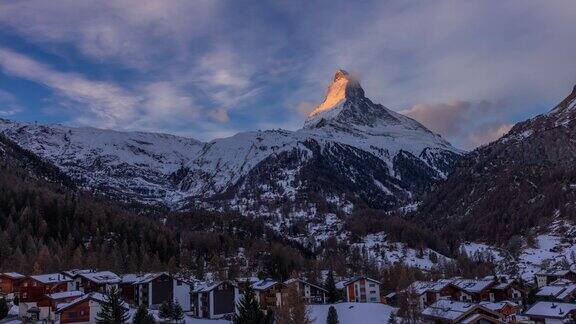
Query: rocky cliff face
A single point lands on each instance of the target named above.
(524, 180)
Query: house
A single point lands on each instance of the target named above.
(10, 284)
(153, 289)
(48, 305)
(447, 311)
(546, 277)
(561, 290)
(269, 293)
(312, 294)
(475, 290)
(360, 289)
(551, 312)
(507, 309)
(101, 281)
(83, 309)
(214, 299)
(429, 292)
(506, 289)
(33, 289)
(74, 274)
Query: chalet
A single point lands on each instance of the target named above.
(546, 277)
(360, 289)
(214, 300)
(82, 310)
(561, 290)
(551, 312)
(48, 305)
(312, 294)
(507, 309)
(33, 289)
(475, 290)
(429, 292)
(447, 312)
(153, 289)
(506, 289)
(101, 281)
(10, 284)
(269, 293)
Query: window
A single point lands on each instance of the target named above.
(372, 291)
(73, 314)
(373, 299)
(178, 283)
(372, 285)
(82, 312)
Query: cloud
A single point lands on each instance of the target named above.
(488, 134)
(150, 106)
(464, 123)
(9, 104)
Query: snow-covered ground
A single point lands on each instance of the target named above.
(353, 313)
(557, 248)
(387, 253)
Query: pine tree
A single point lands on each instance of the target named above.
(330, 286)
(142, 316)
(3, 308)
(249, 311)
(165, 311)
(332, 316)
(113, 310)
(177, 313)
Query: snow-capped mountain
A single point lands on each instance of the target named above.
(125, 165)
(350, 152)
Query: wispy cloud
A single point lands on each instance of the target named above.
(9, 105)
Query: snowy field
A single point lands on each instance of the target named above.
(353, 313)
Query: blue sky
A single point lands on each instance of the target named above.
(211, 68)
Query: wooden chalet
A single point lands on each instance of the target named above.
(83, 309)
(269, 293)
(101, 281)
(214, 299)
(10, 284)
(446, 311)
(33, 289)
(551, 312)
(311, 293)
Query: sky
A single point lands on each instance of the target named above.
(206, 69)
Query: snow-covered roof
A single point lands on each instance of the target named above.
(65, 294)
(75, 272)
(264, 284)
(13, 275)
(554, 272)
(473, 285)
(551, 309)
(249, 280)
(453, 310)
(420, 287)
(102, 277)
(496, 306)
(557, 291)
(356, 278)
(95, 296)
(289, 281)
(448, 309)
(208, 286)
(138, 278)
(51, 278)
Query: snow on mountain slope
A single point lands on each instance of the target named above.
(350, 152)
(128, 165)
(401, 157)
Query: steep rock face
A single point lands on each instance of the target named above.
(350, 152)
(525, 179)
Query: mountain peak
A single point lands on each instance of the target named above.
(569, 103)
(343, 87)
